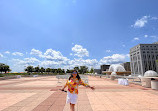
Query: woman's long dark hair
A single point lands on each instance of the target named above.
(78, 77)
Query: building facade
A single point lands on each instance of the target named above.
(127, 66)
(104, 67)
(98, 71)
(143, 58)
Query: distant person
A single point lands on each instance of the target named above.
(72, 93)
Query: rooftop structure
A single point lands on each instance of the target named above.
(143, 58)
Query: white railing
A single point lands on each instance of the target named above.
(66, 76)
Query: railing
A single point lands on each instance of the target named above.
(118, 76)
(66, 76)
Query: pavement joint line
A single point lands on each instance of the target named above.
(27, 100)
(57, 94)
(23, 81)
(24, 88)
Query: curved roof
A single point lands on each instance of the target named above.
(150, 73)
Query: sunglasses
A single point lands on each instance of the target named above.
(74, 73)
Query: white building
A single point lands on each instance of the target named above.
(143, 58)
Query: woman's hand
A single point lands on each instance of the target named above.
(62, 89)
(92, 87)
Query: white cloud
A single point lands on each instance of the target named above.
(154, 38)
(145, 36)
(55, 63)
(19, 65)
(54, 59)
(18, 53)
(31, 60)
(141, 22)
(36, 52)
(80, 51)
(7, 52)
(1, 55)
(123, 45)
(49, 55)
(136, 38)
(54, 55)
(71, 54)
(114, 59)
(108, 51)
(154, 18)
(26, 61)
(82, 62)
(127, 55)
(50, 64)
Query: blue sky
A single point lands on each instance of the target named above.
(68, 33)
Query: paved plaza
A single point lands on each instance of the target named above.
(43, 94)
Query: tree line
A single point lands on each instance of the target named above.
(4, 68)
(81, 70)
(31, 69)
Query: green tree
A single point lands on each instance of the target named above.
(53, 70)
(92, 70)
(48, 70)
(76, 68)
(63, 71)
(59, 70)
(67, 71)
(42, 69)
(37, 69)
(83, 69)
(4, 68)
(29, 69)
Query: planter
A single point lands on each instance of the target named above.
(146, 82)
(123, 81)
(107, 76)
(112, 77)
(154, 84)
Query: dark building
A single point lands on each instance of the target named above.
(127, 66)
(104, 67)
(98, 71)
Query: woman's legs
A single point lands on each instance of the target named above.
(72, 107)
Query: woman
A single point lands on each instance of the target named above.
(72, 83)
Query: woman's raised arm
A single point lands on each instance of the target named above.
(86, 85)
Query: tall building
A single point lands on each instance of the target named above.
(127, 66)
(104, 67)
(143, 58)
